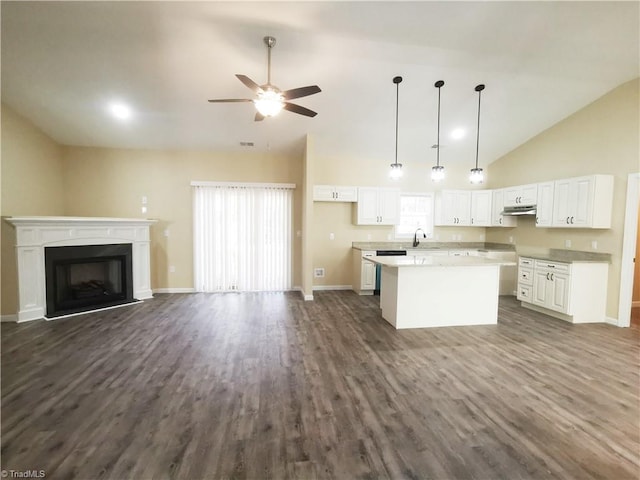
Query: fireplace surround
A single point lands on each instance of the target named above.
(36, 235)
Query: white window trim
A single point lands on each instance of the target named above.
(289, 186)
(431, 195)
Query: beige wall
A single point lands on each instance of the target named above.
(602, 138)
(111, 183)
(32, 184)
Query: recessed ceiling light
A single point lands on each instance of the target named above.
(458, 133)
(120, 111)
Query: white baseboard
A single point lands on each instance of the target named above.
(174, 290)
(611, 320)
(332, 287)
(9, 318)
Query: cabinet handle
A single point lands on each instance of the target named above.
(567, 220)
(336, 195)
(547, 275)
(500, 222)
(472, 221)
(552, 277)
(571, 220)
(550, 266)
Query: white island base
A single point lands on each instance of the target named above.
(439, 293)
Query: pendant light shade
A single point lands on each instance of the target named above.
(396, 168)
(437, 172)
(477, 175)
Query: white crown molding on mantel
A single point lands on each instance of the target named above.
(33, 234)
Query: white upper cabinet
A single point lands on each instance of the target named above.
(334, 193)
(497, 206)
(583, 202)
(481, 208)
(453, 208)
(544, 212)
(378, 206)
(521, 195)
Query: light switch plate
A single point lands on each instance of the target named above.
(567, 243)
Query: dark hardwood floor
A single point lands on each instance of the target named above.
(259, 386)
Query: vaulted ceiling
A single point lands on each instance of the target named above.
(63, 63)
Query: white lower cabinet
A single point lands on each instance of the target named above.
(364, 272)
(575, 292)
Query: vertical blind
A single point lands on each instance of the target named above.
(242, 237)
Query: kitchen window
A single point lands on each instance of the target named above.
(416, 211)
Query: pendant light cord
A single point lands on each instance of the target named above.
(479, 90)
(397, 103)
(438, 144)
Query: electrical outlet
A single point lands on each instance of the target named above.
(332, 236)
(172, 269)
(318, 272)
(594, 244)
(143, 209)
(166, 232)
(567, 243)
(511, 239)
(482, 237)
(144, 200)
(368, 237)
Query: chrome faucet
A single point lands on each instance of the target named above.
(416, 242)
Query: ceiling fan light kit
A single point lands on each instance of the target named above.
(396, 168)
(437, 172)
(270, 100)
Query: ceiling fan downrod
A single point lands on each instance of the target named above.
(270, 42)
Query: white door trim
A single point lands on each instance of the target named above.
(629, 249)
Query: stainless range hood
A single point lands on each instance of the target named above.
(520, 210)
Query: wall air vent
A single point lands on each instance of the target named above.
(246, 144)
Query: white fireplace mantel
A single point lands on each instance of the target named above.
(33, 234)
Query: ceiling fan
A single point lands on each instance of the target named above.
(269, 98)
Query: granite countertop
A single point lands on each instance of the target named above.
(568, 256)
(436, 261)
(424, 245)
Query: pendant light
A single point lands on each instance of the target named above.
(477, 175)
(437, 172)
(396, 168)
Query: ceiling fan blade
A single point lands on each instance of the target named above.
(227, 100)
(300, 92)
(249, 83)
(292, 107)
(259, 117)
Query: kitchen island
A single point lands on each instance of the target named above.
(439, 291)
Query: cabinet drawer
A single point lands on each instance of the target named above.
(524, 293)
(525, 276)
(552, 266)
(526, 262)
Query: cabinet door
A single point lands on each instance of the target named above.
(463, 208)
(529, 194)
(544, 214)
(368, 277)
(346, 194)
(512, 196)
(323, 193)
(561, 201)
(581, 203)
(481, 208)
(497, 206)
(445, 205)
(388, 206)
(540, 288)
(559, 292)
(367, 211)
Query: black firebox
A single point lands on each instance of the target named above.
(87, 277)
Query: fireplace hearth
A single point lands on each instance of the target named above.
(87, 277)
